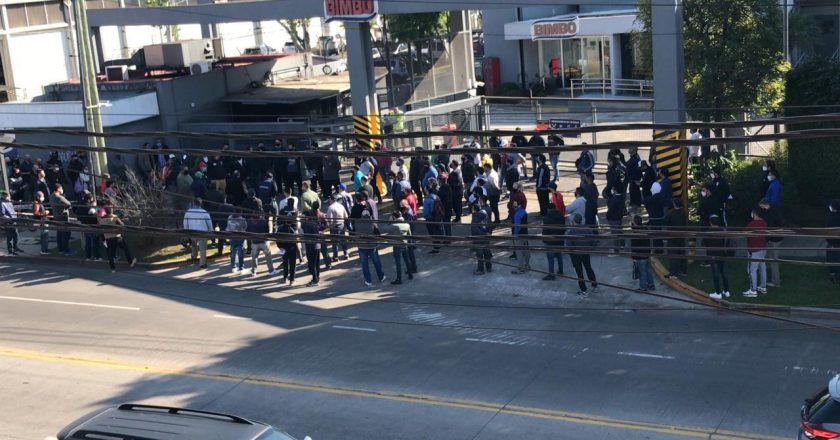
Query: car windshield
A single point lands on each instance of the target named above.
(824, 410)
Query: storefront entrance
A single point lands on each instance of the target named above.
(564, 60)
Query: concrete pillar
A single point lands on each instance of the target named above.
(258, 34)
(615, 61)
(460, 49)
(99, 53)
(360, 65)
(668, 63)
(124, 51)
(209, 30)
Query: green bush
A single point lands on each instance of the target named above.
(812, 88)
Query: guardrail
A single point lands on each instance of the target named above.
(606, 86)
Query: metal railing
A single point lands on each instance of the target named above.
(606, 86)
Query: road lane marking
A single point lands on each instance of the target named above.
(645, 355)
(232, 317)
(69, 303)
(361, 329)
(708, 433)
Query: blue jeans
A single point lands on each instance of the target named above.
(645, 273)
(45, 240)
(237, 250)
(552, 256)
(370, 254)
(91, 245)
(555, 165)
(402, 253)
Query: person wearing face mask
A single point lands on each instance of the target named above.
(41, 213)
(61, 213)
(634, 178)
(832, 253)
(769, 165)
(709, 205)
(774, 189)
(722, 192)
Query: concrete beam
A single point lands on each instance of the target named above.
(360, 65)
(268, 10)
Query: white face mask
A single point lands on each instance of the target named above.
(703, 193)
(771, 178)
(764, 168)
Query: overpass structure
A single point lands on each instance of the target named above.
(669, 95)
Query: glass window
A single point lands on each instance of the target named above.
(37, 14)
(571, 59)
(592, 57)
(17, 16)
(54, 12)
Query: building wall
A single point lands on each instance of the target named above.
(37, 59)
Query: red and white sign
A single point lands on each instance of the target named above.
(350, 10)
(554, 29)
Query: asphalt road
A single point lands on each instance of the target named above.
(448, 356)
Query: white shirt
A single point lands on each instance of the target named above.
(336, 213)
(197, 219)
(694, 150)
(285, 202)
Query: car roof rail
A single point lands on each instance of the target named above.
(173, 410)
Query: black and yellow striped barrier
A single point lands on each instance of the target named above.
(673, 160)
(366, 124)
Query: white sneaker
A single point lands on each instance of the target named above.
(715, 296)
(750, 293)
(253, 273)
(384, 277)
(234, 270)
(761, 289)
(274, 272)
(726, 294)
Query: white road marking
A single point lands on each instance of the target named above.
(232, 317)
(580, 352)
(69, 303)
(645, 355)
(361, 329)
(492, 341)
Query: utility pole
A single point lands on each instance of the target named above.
(91, 106)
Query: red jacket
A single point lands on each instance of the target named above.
(519, 196)
(559, 204)
(757, 242)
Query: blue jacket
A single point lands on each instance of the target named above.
(432, 172)
(774, 193)
(520, 222)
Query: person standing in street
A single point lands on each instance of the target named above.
(42, 215)
(197, 219)
(86, 213)
(287, 243)
(553, 231)
(364, 228)
(7, 212)
(401, 231)
(433, 213)
(757, 251)
(257, 224)
(590, 193)
(716, 251)
(774, 189)
(773, 217)
(640, 248)
(114, 240)
(543, 178)
(581, 244)
(312, 245)
(520, 238)
(236, 224)
(634, 178)
(336, 217)
(480, 228)
(61, 213)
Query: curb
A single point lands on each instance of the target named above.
(142, 265)
(703, 297)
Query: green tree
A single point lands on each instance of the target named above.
(733, 55)
(171, 33)
(812, 89)
(299, 39)
(408, 28)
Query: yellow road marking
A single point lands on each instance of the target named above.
(421, 399)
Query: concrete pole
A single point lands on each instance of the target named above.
(124, 50)
(461, 51)
(668, 63)
(360, 66)
(91, 105)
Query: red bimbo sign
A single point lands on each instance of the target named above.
(350, 10)
(554, 29)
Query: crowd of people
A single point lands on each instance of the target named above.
(305, 199)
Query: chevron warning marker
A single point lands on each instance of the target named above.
(674, 160)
